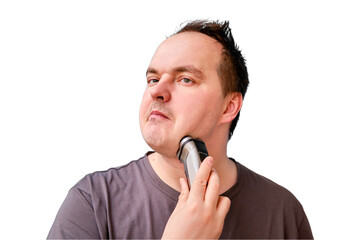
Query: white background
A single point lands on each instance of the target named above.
(72, 75)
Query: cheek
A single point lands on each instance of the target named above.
(200, 113)
(211, 104)
(212, 109)
(144, 107)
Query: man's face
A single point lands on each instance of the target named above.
(183, 94)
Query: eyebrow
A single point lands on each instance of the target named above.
(151, 70)
(186, 68)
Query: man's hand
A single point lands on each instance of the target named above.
(200, 212)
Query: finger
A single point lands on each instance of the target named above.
(184, 190)
(223, 206)
(212, 190)
(198, 186)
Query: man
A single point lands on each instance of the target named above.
(196, 82)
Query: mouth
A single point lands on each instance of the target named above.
(157, 114)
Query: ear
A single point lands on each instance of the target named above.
(233, 104)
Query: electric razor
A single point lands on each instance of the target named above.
(191, 153)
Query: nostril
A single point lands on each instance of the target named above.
(160, 98)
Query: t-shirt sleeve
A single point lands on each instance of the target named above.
(305, 229)
(76, 218)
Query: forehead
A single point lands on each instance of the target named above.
(188, 48)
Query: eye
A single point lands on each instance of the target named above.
(152, 81)
(186, 80)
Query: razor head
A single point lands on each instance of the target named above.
(187, 144)
(191, 153)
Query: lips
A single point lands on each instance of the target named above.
(157, 114)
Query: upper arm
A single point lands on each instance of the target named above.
(76, 218)
(305, 229)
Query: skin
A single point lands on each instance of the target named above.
(183, 97)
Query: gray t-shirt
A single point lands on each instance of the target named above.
(132, 202)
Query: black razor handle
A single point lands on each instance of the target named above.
(191, 153)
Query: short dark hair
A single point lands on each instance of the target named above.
(232, 69)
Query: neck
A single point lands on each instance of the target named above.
(170, 170)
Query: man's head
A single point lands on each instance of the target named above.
(186, 93)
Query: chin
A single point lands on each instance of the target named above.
(164, 146)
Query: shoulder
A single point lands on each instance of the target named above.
(262, 202)
(116, 177)
(266, 191)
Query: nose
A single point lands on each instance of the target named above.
(161, 91)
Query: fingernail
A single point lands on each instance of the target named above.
(211, 160)
(182, 181)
